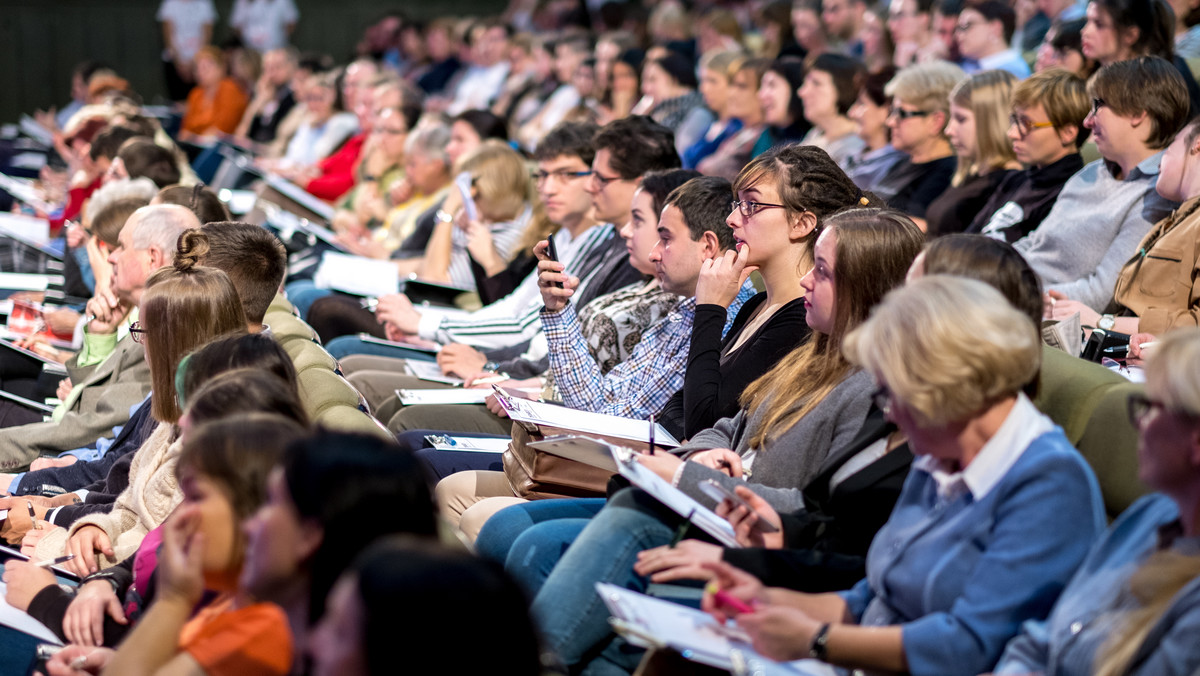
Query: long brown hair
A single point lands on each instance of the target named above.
(185, 306)
(873, 250)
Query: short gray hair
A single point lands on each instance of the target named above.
(429, 140)
(160, 225)
(130, 188)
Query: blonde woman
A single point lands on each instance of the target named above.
(1133, 607)
(979, 110)
(503, 192)
(716, 79)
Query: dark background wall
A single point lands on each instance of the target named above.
(41, 40)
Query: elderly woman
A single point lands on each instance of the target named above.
(1157, 289)
(920, 110)
(1133, 607)
(994, 518)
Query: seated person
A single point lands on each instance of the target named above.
(920, 111)
(830, 88)
(109, 374)
(1107, 208)
(968, 509)
(254, 381)
(222, 473)
(870, 113)
(358, 635)
(624, 149)
(140, 157)
(1133, 606)
(809, 405)
(1046, 130)
(979, 108)
(334, 176)
(216, 104)
(742, 107)
(273, 98)
(325, 126)
(1156, 289)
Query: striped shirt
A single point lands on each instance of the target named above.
(504, 240)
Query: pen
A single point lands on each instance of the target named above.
(55, 562)
(32, 515)
(651, 434)
(723, 598)
(498, 378)
(1142, 346)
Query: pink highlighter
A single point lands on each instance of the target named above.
(723, 598)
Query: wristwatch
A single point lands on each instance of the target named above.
(819, 648)
(1106, 322)
(443, 216)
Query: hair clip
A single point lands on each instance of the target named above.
(864, 201)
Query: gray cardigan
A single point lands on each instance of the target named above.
(789, 461)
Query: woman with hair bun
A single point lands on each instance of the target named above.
(185, 305)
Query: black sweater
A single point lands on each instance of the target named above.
(715, 379)
(826, 543)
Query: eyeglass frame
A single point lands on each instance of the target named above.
(561, 175)
(964, 27)
(137, 333)
(1025, 126)
(747, 211)
(1138, 406)
(602, 180)
(1097, 104)
(902, 114)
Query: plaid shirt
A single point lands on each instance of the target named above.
(638, 386)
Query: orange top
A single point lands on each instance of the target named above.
(253, 641)
(223, 111)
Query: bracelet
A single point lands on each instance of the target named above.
(818, 649)
(107, 577)
(492, 367)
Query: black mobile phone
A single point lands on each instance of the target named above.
(552, 252)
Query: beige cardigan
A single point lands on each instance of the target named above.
(150, 497)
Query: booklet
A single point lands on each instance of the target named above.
(536, 415)
(445, 442)
(654, 623)
(444, 396)
(428, 370)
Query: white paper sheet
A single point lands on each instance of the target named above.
(428, 370)
(678, 501)
(471, 444)
(21, 621)
(457, 396)
(586, 422)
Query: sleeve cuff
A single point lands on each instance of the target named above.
(431, 321)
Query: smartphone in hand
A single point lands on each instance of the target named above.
(718, 492)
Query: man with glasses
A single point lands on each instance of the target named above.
(110, 373)
(1046, 130)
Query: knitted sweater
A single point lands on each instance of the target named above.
(152, 494)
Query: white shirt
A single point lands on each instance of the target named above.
(263, 23)
(188, 19)
(1023, 424)
(478, 88)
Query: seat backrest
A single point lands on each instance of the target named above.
(1089, 402)
(351, 419)
(307, 355)
(284, 325)
(321, 389)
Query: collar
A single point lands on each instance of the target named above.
(1147, 167)
(1023, 424)
(996, 60)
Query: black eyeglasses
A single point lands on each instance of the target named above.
(1097, 104)
(882, 398)
(1025, 125)
(603, 180)
(561, 176)
(905, 114)
(137, 332)
(748, 208)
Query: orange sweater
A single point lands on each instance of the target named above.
(223, 111)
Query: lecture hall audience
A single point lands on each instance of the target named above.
(225, 471)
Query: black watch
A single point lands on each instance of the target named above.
(819, 648)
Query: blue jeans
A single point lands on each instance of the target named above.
(303, 294)
(573, 619)
(344, 346)
(530, 538)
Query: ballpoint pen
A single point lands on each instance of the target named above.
(651, 434)
(32, 515)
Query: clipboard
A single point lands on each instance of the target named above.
(27, 403)
(47, 364)
(539, 417)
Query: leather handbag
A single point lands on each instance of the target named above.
(534, 474)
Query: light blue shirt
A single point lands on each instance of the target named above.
(964, 559)
(1067, 642)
